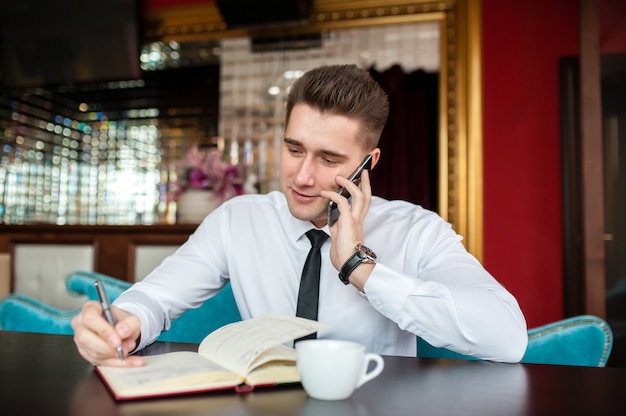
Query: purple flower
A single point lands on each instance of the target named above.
(206, 169)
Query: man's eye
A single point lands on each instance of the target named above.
(294, 151)
(330, 162)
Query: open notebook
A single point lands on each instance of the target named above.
(238, 356)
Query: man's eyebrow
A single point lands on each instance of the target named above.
(334, 155)
(292, 142)
(328, 153)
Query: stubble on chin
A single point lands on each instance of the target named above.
(314, 212)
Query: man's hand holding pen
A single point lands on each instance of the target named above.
(92, 329)
(108, 314)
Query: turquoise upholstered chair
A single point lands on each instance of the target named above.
(22, 313)
(583, 340)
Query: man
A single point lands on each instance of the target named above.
(422, 283)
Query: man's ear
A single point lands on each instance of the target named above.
(375, 156)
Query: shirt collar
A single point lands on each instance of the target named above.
(297, 228)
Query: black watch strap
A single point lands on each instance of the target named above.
(348, 267)
(361, 255)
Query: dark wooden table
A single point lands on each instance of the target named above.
(43, 374)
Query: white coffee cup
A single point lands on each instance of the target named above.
(333, 369)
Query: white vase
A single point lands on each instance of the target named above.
(195, 204)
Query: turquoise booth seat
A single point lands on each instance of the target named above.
(581, 340)
(22, 313)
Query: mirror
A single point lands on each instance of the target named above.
(460, 152)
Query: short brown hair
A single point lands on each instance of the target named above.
(345, 90)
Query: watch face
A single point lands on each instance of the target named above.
(365, 252)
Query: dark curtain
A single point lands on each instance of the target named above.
(408, 165)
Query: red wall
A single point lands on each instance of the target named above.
(522, 179)
(522, 42)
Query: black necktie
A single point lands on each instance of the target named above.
(308, 295)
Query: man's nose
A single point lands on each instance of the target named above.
(306, 173)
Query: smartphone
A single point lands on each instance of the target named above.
(355, 177)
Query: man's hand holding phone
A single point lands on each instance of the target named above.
(353, 201)
(355, 178)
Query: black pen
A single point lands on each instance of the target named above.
(106, 307)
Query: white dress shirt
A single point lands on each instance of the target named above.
(425, 282)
